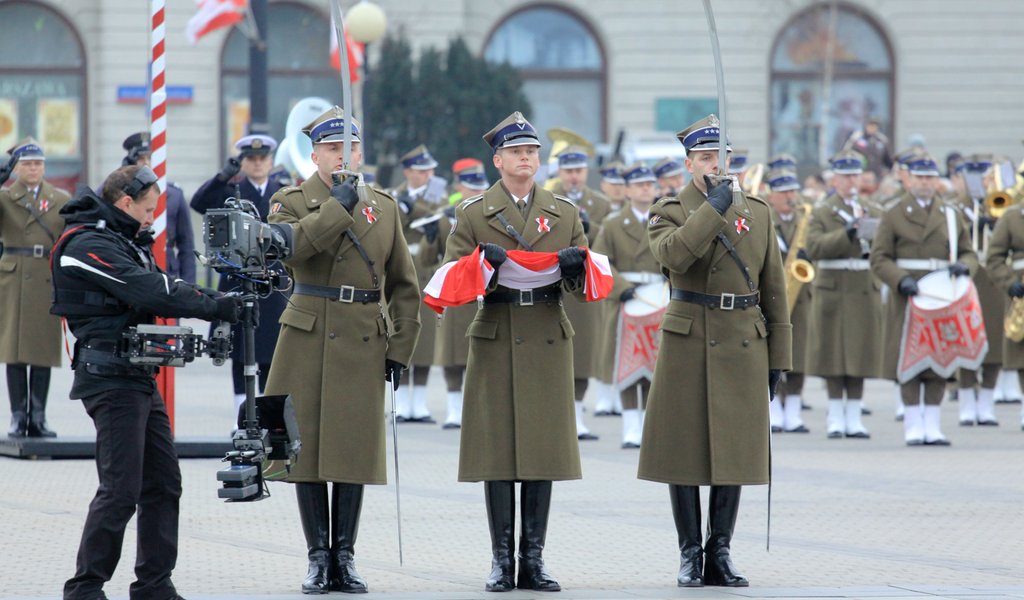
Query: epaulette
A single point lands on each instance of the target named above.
(665, 200)
(564, 199)
(289, 189)
(471, 200)
(755, 198)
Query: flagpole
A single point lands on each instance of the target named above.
(258, 111)
(158, 162)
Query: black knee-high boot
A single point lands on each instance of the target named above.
(722, 510)
(346, 504)
(501, 519)
(686, 512)
(312, 499)
(38, 390)
(17, 391)
(535, 503)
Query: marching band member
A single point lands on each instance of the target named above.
(623, 239)
(913, 240)
(847, 306)
(1005, 264)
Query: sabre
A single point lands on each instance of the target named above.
(723, 170)
(398, 496)
(346, 82)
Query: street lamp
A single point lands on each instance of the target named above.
(366, 24)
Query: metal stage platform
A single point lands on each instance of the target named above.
(85, 447)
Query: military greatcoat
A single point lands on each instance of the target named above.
(420, 248)
(909, 231)
(707, 417)
(586, 318)
(846, 310)
(330, 355)
(1005, 265)
(518, 419)
(623, 239)
(29, 334)
(992, 299)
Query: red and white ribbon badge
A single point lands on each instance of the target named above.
(542, 225)
(44, 204)
(370, 217)
(741, 225)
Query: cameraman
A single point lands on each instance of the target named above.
(105, 281)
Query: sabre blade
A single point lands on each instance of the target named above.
(723, 170)
(346, 80)
(398, 495)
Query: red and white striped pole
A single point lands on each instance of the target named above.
(158, 162)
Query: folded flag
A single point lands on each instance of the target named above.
(465, 280)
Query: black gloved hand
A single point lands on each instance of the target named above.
(959, 270)
(229, 308)
(585, 220)
(1016, 290)
(6, 170)
(393, 372)
(570, 260)
(494, 254)
(430, 231)
(907, 286)
(774, 375)
(851, 232)
(405, 202)
(803, 255)
(344, 192)
(627, 294)
(720, 196)
(231, 168)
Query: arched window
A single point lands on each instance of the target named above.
(299, 66)
(810, 119)
(42, 88)
(558, 57)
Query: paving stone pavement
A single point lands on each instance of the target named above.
(850, 518)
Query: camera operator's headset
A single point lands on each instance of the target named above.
(144, 178)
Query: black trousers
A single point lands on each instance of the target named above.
(138, 471)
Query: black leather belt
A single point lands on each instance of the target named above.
(722, 301)
(345, 293)
(551, 293)
(37, 251)
(100, 357)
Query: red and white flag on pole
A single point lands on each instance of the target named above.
(466, 279)
(212, 15)
(355, 53)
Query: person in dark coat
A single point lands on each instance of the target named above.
(247, 177)
(181, 244)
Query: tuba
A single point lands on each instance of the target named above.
(561, 138)
(295, 149)
(798, 271)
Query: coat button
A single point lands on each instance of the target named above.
(746, 343)
(551, 341)
(519, 340)
(341, 258)
(714, 269)
(366, 338)
(713, 342)
(331, 335)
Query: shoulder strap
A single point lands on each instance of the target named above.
(739, 261)
(366, 257)
(36, 215)
(512, 231)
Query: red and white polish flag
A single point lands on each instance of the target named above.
(466, 279)
(212, 15)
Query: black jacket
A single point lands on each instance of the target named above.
(105, 281)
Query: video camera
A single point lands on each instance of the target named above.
(240, 245)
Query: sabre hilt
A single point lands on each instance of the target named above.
(734, 185)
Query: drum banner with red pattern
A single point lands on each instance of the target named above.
(638, 335)
(943, 330)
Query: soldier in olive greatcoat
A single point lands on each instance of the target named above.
(30, 223)
(726, 338)
(518, 420)
(351, 323)
(1005, 263)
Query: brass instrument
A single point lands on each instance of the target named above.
(752, 180)
(561, 138)
(798, 271)
(1013, 324)
(1000, 198)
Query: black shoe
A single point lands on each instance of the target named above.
(536, 505)
(835, 435)
(451, 426)
(723, 506)
(586, 437)
(603, 413)
(915, 442)
(776, 429)
(630, 446)
(401, 419)
(804, 406)
(899, 418)
(865, 411)
(799, 429)
(988, 423)
(312, 498)
(859, 435)
(501, 520)
(938, 442)
(967, 422)
(346, 505)
(429, 420)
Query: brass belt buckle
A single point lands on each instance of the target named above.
(347, 294)
(728, 301)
